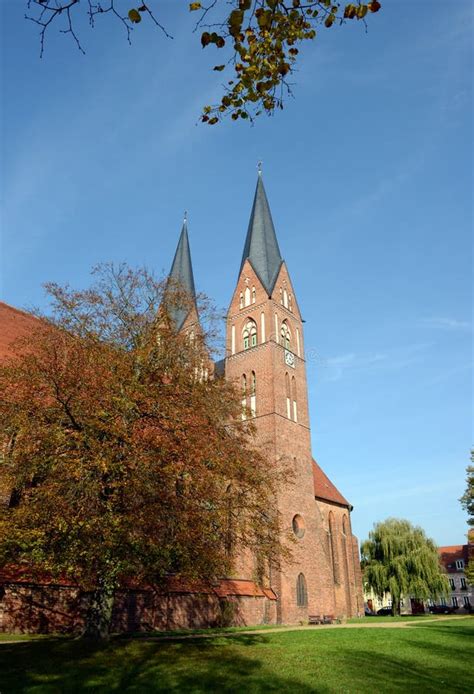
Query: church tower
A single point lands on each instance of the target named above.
(184, 314)
(265, 355)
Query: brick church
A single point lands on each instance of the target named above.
(265, 357)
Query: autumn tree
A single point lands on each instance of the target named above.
(124, 459)
(400, 560)
(467, 502)
(258, 40)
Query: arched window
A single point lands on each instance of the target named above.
(345, 564)
(285, 298)
(281, 296)
(301, 591)
(290, 303)
(288, 396)
(230, 525)
(333, 548)
(247, 296)
(293, 393)
(285, 335)
(241, 300)
(244, 396)
(253, 394)
(250, 334)
(254, 295)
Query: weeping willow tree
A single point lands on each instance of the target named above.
(399, 559)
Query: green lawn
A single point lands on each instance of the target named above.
(432, 657)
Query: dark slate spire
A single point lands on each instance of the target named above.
(182, 273)
(261, 245)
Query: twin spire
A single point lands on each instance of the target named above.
(261, 245)
(261, 249)
(182, 274)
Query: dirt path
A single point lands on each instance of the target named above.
(277, 630)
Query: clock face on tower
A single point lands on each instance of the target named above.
(289, 359)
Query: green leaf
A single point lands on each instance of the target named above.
(236, 18)
(134, 16)
(194, 6)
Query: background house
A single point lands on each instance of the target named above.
(454, 559)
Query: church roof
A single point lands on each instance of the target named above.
(325, 489)
(261, 245)
(182, 273)
(14, 324)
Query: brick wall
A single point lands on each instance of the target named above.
(61, 609)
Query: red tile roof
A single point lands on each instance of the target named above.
(224, 588)
(14, 324)
(325, 489)
(25, 574)
(451, 553)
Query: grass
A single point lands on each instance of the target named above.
(20, 637)
(199, 632)
(431, 657)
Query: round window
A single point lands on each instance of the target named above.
(298, 526)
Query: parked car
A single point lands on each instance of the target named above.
(442, 609)
(384, 611)
(368, 612)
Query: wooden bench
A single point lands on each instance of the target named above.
(323, 619)
(315, 619)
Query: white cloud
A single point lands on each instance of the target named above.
(447, 323)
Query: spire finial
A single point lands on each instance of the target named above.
(259, 167)
(185, 216)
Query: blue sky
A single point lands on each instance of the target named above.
(369, 176)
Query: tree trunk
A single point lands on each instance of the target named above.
(395, 606)
(99, 614)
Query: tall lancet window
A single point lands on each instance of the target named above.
(241, 303)
(249, 334)
(253, 394)
(285, 298)
(288, 396)
(301, 591)
(345, 562)
(293, 393)
(254, 295)
(244, 396)
(333, 548)
(290, 303)
(285, 335)
(247, 296)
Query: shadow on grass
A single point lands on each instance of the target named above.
(427, 660)
(191, 666)
(397, 674)
(436, 660)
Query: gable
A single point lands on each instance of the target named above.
(325, 489)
